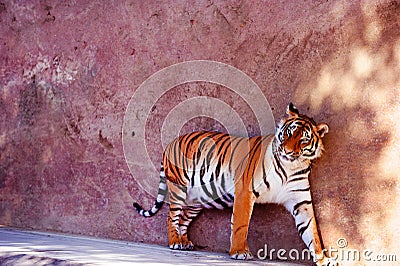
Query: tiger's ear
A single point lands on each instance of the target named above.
(292, 110)
(322, 129)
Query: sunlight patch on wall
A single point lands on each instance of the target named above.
(378, 224)
(362, 63)
(347, 92)
(388, 161)
(323, 89)
(373, 28)
(339, 9)
(396, 52)
(369, 80)
(357, 130)
(373, 31)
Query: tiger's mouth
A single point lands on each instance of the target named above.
(288, 157)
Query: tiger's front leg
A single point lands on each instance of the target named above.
(303, 213)
(242, 210)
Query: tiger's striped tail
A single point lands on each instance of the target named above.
(162, 192)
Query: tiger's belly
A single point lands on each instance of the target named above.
(274, 193)
(211, 192)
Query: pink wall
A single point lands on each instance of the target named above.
(68, 71)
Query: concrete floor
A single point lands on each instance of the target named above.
(19, 247)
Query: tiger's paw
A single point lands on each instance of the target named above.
(328, 262)
(176, 246)
(242, 255)
(183, 245)
(186, 243)
(175, 241)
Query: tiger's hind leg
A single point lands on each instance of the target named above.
(174, 238)
(187, 217)
(177, 202)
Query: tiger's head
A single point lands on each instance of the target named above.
(299, 137)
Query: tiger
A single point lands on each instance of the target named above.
(204, 169)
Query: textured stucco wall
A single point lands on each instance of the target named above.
(69, 68)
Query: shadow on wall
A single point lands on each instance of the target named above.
(357, 92)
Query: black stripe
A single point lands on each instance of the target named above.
(193, 210)
(223, 181)
(299, 123)
(299, 204)
(175, 164)
(314, 147)
(159, 204)
(224, 150)
(198, 155)
(184, 218)
(213, 188)
(207, 202)
(185, 164)
(218, 169)
(230, 196)
(300, 224)
(184, 189)
(185, 158)
(193, 174)
(175, 219)
(300, 189)
(205, 190)
(209, 155)
(265, 175)
(256, 193)
(233, 152)
(266, 182)
(303, 171)
(227, 200)
(253, 152)
(175, 209)
(297, 179)
(215, 196)
(205, 139)
(194, 136)
(304, 228)
(176, 196)
(280, 166)
(137, 207)
(277, 171)
(202, 172)
(222, 203)
(221, 149)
